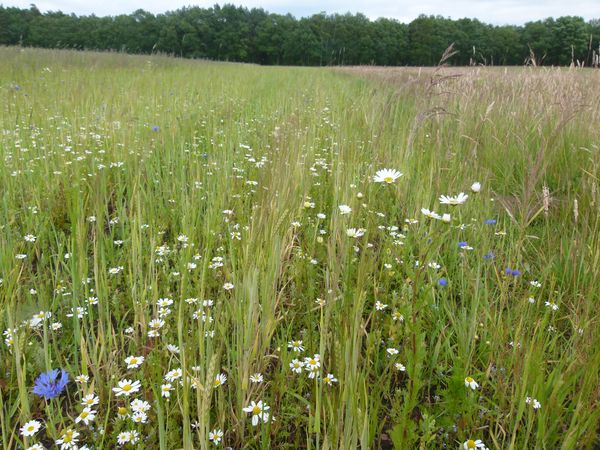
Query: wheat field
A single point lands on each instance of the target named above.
(197, 255)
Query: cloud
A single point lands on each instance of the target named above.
(490, 11)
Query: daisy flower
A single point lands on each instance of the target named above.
(215, 436)
(476, 187)
(296, 366)
(133, 362)
(220, 379)
(345, 209)
(256, 378)
(471, 444)
(471, 383)
(453, 201)
(127, 387)
(86, 416)
(30, 428)
(296, 346)
(387, 176)
(330, 379)
(258, 411)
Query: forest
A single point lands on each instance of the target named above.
(232, 33)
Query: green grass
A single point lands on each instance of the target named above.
(159, 149)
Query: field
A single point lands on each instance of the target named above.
(211, 254)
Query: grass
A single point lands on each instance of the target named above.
(184, 176)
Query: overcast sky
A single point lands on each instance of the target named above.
(490, 11)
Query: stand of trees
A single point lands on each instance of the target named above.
(231, 33)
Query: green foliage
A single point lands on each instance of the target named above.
(231, 33)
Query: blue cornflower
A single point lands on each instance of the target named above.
(513, 272)
(49, 385)
(490, 222)
(463, 244)
(443, 282)
(489, 255)
(155, 128)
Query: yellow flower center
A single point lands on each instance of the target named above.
(469, 380)
(471, 444)
(133, 361)
(256, 410)
(388, 179)
(30, 428)
(84, 414)
(68, 437)
(217, 382)
(122, 411)
(127, 387)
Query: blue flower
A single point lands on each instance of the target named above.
(443, 282)
(513, 272)
(49, 385)
(462, 244)
(490, 222)
(155, 128)
(489, 255)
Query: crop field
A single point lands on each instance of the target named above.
(201, 255)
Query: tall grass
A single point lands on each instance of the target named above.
(204, 181)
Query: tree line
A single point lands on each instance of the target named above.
(231, 33)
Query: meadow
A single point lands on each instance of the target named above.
(198, 255)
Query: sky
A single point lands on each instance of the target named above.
(497, 12)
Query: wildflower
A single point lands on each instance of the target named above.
(387, 176)
(115, 270)
(296, 346)
(400, 367)
(453, 201)
(476, 187)
(140, 405)
(82, 379)
(174, 375)
(471, 383)
(535, 284)
(446, 218)
(29, 238)
(489, 255)
(355, 232)
(165, 390)
(552, 306)
(30, 428)
(139, 417)
(312, 365)
(86, 416)
(380, 306)
(68, 439)
(330, 379)
(490, 222)
(127, 387)
(133, 362)
(397, 316)
(471, 444)
(430, 214)
(41, 447)
(345, 209)
(124, 437)
(90, 400)
(392, 351)
(49, 385)
(256, 378)
(228, 286)
(296, 366)
(220, 379)
(258, 411)
(532, 401)
(443, 282)
(215, 436)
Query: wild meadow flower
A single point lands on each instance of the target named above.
(344, 209)
(258, 411)
(400, 367)
(533, 402)
(312, 365)
(256, 378)
(387, 176)
(471, 444)
(228, 286)
(90, 400)
(126, 388)
(50, 385)
(174, 374)
(215, 436)
(133, 362)
(330, 379)
(453, 201)
(140, 405)
(165, 390)
(39, 447)
(430, 214)
(82, 379)
(443, 282)
(476, 187)
(296, 366)
(380, 306)
(29, 238)
(513, 272)
(471, 383)
(392, 351)
(355, 232)
(68, 439)
(30, 428)
(86, 416)
(553, 306)
(220, 380)
(296, 346)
